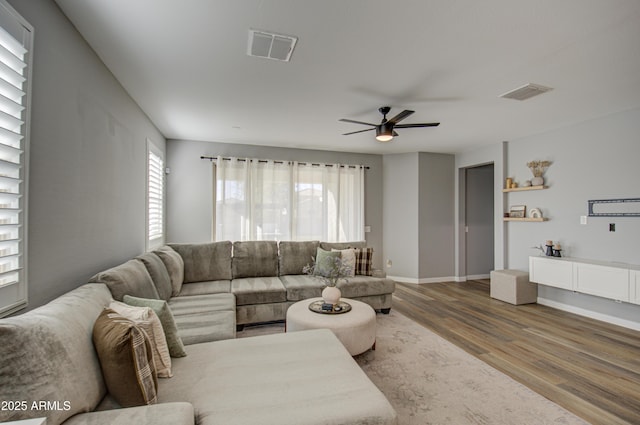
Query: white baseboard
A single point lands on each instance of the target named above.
(478, 276)
(591, 314)
(423, 280)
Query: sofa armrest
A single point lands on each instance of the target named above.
(378, 273)
(177, 413)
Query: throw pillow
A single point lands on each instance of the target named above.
(175, 266)
(325, 262)
(147, 319)
(348, 259)
(161, 308)
(126, 360)
(130, 278)
(159, 274)
(364, 258)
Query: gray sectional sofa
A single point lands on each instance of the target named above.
(293, 378)
(242, 282)
(266, 277)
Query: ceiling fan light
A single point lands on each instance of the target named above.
(384, 133)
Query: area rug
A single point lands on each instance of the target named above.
(428, 380)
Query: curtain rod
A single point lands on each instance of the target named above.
(213, 158)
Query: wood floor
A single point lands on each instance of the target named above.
(589, 367)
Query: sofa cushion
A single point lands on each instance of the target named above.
(146, 318)
(207, 261)
(301, 287)
(126, 359)
(328, 246)
(184, 306)
(204, 318)
(159, 274)
(178, 413)
(255, 259)
(258, 290)
(161, 308)
(175, 267)
(206, 287)
(130, 278)
(362, 286)
(294, 256)
(48, 354)
(206, 326)
(271, 379)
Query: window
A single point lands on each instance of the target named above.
(15, 70)
(277, 200)
(155, 197)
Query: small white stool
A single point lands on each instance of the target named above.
(356, 329)
(513, 286)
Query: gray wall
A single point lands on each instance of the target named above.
(436, 216)
(596, 159)
(419, 195)
(190, 186)
(87, 160)
(401, 209)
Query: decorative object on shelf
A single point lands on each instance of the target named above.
(527, 183)
(538, 168)
(518, 211)
(508, 182)
(329, 267)
(535, 213)
(549, 246)
(556, 250)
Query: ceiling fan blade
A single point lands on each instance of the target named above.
(361, 131)
(402, 115)
(395, 134)
(357, 122)
(424, 124)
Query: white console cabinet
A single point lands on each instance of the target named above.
(551, 272)
(617, 281)
(635, 286)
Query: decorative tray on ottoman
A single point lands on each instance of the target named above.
(323, 308)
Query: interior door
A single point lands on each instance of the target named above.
(479, 221)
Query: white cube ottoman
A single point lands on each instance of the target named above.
(513, 286)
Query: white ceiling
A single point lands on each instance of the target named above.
(185, 63)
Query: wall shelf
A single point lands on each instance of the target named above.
(538, 219)
(525, 188)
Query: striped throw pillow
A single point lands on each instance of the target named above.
(364, 258)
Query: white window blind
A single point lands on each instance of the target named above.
(155, 197)
(15, 63)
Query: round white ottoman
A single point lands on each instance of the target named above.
(356, 329)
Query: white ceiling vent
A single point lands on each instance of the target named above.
(526, 92)
(264, 44)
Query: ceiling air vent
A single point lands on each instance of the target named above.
(268, 45)
(526, 92)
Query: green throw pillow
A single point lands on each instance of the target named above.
(325, 262)
(161, 309)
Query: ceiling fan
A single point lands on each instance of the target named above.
(385, 130)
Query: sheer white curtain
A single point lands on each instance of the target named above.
(233, 200)
(273, 200)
